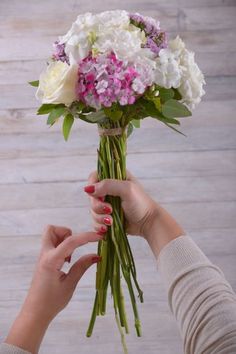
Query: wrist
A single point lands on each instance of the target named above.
(163, 228)
(27, 331)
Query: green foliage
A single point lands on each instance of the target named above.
(94, 117)
(55, 113)
(113, 112)
(173, 108)
(136, 123)
(130, 129)
(34, 83)
(48, 107)
(165, 94)
(67, 125)
(177, 95)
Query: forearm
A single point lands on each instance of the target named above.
(200, 298)
(27, 332)
(162, 229)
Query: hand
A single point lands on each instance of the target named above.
(144, 216)
(51, 289)
(139, 208)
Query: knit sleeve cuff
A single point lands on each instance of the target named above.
(11, 349)
(179, 257)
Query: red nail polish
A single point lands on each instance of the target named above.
(102, 230)
(96, 259)
(89, 189)
(68, 259)
(101, 199)
(106, 209)
(107, 221)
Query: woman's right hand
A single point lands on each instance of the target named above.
(139, 208)
(144, 216)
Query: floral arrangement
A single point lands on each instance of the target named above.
(115, 69)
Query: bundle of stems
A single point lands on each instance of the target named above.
(117, 258)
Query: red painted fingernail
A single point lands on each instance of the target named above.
(89, 189)
(107, 221)
(106, 209)
(68, 259)
(101, 199)
(102, 230)
(96, 259)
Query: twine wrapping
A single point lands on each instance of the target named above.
(110, 131)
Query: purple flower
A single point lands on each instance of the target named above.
(59, 52)
(156, 39)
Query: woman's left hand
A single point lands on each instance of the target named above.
(51, 289)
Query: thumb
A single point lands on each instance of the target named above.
(113, 187)
(79, 268)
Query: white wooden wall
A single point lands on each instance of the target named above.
(42, 177)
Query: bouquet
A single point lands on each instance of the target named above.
(114, 69)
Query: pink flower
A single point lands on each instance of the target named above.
(104, 80)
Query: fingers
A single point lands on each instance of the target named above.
(100, 207)
(93, 177)
(102, 219)
(67, 247)
(54, 235)
(80, 267)
(111, 187)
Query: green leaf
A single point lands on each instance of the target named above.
(48, 107)
(165, 94)
(177, 94)
(55, 114)
(113, 114)
(130, 129)
(34, 83)
(136, 123)
(169, 120)
(173, 128)
(95, 117)
(173, 108)
(67, 125)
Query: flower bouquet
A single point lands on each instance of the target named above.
(114, 69)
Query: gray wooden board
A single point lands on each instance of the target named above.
(42, 177)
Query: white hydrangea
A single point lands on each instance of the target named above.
(191, 87)
(168, 72)
(78, 38)
(125, 43)
(177, 68)
(146, 70)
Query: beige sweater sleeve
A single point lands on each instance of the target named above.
(200, 298)
(11, 349)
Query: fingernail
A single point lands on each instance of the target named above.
(89, 189)
(96, 259)
(107, 221)
(102, 230)
(106, 209)
(68, 259)
(101, 199)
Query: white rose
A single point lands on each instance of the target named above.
(57, 83)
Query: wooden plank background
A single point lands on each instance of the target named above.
(42, 177)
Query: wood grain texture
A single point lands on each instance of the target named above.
(42, 177)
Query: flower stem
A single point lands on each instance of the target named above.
(115, 250)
